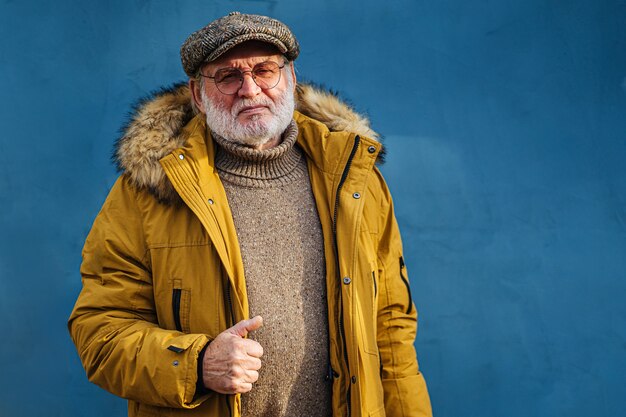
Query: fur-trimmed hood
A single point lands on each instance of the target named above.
(155, 129)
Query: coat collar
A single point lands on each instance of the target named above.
(165, 122)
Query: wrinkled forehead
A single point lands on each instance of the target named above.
(245, 54)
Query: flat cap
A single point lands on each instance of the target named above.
(213, 40)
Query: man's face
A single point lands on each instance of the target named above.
(252, 116)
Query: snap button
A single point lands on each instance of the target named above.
(346, 280)
(356, 195)
(175, 363)
(181, 156)
(354, 379)
(371, 149)
(211, 201)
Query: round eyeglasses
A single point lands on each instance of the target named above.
(229, 80)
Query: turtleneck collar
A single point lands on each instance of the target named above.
(242, 165)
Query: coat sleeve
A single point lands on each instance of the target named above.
(114, 322)
(404, 386)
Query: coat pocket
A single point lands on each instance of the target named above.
(366, 312)
(406, 283)
(180, 306)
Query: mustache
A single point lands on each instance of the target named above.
(260, 101)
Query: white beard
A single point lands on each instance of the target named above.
(257, 130)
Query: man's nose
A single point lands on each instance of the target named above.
(249, 88)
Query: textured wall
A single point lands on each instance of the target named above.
(505, 124)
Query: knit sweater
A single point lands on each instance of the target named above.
(280, 236)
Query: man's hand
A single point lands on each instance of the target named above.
(230, 364)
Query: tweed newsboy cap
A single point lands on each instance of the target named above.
(213, 40)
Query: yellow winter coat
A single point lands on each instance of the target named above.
(163, 275)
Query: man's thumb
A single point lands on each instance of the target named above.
(243, 327)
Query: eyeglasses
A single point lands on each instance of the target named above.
(229, 80)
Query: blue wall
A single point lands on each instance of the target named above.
(506, 129)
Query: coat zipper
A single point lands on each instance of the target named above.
(176, 308)
(342, 330)
(230, 304)
(230, 410)
(232, 323)
(408, 288)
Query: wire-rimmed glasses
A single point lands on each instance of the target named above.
(229, 80)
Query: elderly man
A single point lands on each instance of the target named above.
(247, 261)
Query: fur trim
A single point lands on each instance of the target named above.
(336, 114)
(155, 128)
(153, 131)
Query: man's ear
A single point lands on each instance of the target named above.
(293, 75)
(194, 89)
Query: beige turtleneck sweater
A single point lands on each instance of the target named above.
(279, 232)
